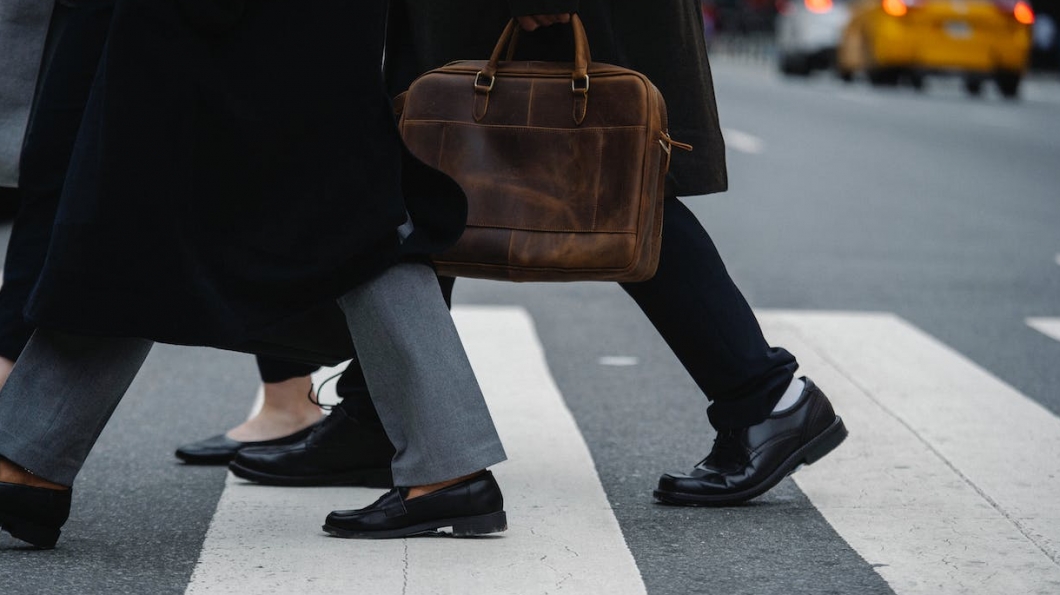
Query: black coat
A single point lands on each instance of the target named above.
(238, 168)
(662, 39)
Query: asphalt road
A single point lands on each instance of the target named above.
(938, 208)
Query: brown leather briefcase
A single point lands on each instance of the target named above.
(563, 164)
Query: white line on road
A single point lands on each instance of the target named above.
(949, 481)
(947, 484)
(1049, 327)
(563, 534)
(743, 142)
(857, 98)
(1058, 259)
(618, 360)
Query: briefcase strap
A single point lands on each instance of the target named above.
(487, 77)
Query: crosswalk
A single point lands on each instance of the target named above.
(947, 484)
(1050, 327)
(563, 534)
(949, 481)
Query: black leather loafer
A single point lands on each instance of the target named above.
(33, 515)
(220, 449)
(341, 451)
(746, 463)
(471, 507)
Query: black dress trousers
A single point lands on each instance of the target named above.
(706, 321)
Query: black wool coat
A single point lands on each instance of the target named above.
(238, 169)
(661, 39)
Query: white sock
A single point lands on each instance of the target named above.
(791, 396)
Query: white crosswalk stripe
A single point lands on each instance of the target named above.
(563, 533)
(1050, 327)
(743, 142)
(947, 484)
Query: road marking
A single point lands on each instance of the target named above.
(949, 480)
(743, 142)
(618, 360)
(856, 98)
(563, 534)
(946, 485)
(1049, 327)
(1058, 259)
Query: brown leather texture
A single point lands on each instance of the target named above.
(564, 176)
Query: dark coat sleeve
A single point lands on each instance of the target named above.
(526, 7)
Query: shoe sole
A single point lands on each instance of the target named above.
(468, 526)
(369, 478)
(810, 453)
(206, 460)
(36, 535)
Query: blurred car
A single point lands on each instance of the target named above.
(808, 33)
(741, 17)
(978, 39)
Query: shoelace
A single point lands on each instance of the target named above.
(316, 401)
(726, 448)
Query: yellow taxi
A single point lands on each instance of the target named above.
(979, 39)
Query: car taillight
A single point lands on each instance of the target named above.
(1023, 13)
(818, 6)
(895, 8)
(1018, 9)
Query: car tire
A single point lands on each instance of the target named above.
(1009, 84)
(794, 65)
(973, 86)
(916, 81)
(883, 77)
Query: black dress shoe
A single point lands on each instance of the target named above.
(220, 449)
(33, 515)
(341, 451)
(472, 507)
(746, 463)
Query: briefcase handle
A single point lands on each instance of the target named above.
(487, 77)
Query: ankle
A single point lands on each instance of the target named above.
(295, 395)
(791, 396)
(6, 366)
(423, 490)
(12, 473)
(271, 423)
(289, 415)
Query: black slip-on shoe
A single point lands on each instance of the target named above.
(472, 507)
(745, 463)
(220, 449)
(33, 515)
(341, 451)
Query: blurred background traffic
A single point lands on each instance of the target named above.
(894, 42)
(982, 44)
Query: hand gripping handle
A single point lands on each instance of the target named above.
(487, 77)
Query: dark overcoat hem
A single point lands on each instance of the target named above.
(229, 184)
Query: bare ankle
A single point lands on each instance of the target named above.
(6, 366)
(12, 473)
(284, 412)
(417, 491)
(294, 396)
